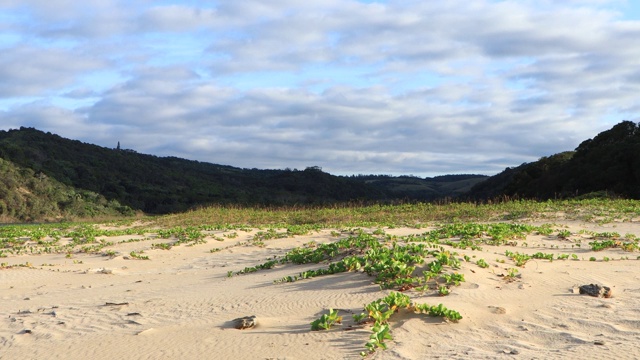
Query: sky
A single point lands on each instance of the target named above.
(403, 87)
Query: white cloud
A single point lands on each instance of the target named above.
(29, 70)
(179, 18)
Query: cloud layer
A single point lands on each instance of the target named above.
(392, 87)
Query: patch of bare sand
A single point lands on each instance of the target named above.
(181, 303)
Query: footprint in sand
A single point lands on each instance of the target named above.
(498, 310)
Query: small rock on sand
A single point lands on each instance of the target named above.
(595, 290)
(246, 322)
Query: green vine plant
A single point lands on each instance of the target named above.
(392, 266)
(326, 321)
(380, 312)
(482, 263)
(138, 255)
(512, 275)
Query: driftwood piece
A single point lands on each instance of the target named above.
(596, 290)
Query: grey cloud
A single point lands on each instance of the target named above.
(72, 19)
(27, 70)
(426, 36)
(178, 18)
(340, 129)
(47, 117)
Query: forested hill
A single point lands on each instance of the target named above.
(608, 164)
(168, 184)
(422, 189)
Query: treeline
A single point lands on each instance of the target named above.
(607, 165)
(414, 188)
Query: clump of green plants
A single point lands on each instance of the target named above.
(443, 290)
(163, 246)
(564, 234)
(110, 253)
(540, 255)
(453, 278)
(326, 321)
(512, 274)
(251, 269)
(392, 267)
(379, 312)
(611, 243)
(138, 255)
(482, 263)
(520, 259)
(190, 236)
(360, 318)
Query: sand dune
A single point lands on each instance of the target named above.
(181, 303)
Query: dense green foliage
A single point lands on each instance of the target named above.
(422, 189)
(607, 165)
(27, 196)
(538, 180)
(160, 185)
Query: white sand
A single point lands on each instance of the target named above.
(179, 305)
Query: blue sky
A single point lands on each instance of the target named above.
(372, 87)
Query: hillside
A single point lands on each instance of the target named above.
(27, 196)
(607, 164)
(159, 185)
(168, 184)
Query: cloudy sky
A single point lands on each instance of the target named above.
(372, 87)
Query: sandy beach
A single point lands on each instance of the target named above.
(180, 303)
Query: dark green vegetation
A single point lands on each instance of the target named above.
(159, 185)
(427, 189)
(45, 177)
(607, 165)
(163, 185)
